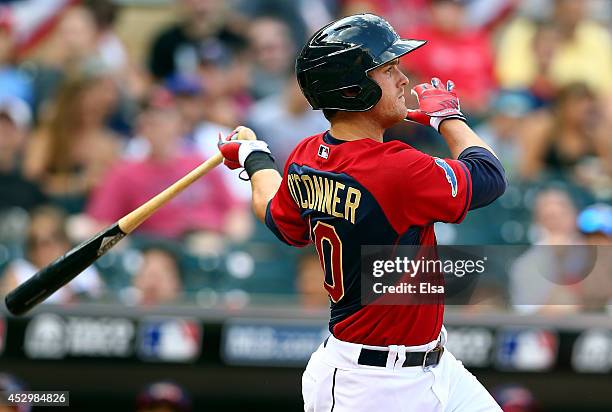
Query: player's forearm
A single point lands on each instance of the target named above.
(459, 136)
(265, 184)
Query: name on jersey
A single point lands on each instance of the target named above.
(324, 195)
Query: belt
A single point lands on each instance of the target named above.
(426, 359)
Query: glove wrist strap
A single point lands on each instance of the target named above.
(435, 122)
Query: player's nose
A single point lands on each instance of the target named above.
(404, 80)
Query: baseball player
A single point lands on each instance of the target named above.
(345, 188)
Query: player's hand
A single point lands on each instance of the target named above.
(235, 150)
(436, 104)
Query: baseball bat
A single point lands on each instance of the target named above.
(65, 268)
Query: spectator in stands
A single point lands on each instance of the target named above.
(47, 240)
(454, 51)
(84, 38)
(200, 136)
(203, 208)
(554, 218)
(163, 397)
(595, 172)
(225, 76)
(111, 50)
(72, 42)
(217, 116)
(15, 189)
(176, 48)
(272, 52)
(110, 47)
(545, 44)
(309, 278)
(301, 16)
(603, 130)
(189, 97)
(583, 53)
(158, 278)
(502, 129)
(282, 120)
(560, 140)
(537, 276)
(76, 36)
(73, 148)
(13, 82)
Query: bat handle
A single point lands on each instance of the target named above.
(132, 220)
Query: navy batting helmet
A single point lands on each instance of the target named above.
(332, 68)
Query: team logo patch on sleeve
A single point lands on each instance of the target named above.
(450, 174)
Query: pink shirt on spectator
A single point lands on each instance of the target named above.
(202, 206)
(466, 58)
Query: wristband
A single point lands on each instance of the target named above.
(258, 161)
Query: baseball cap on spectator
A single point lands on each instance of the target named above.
(163, 393)
(596, 218)
(16, 110)
(183, 85)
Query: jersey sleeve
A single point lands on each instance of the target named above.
(428, 189)
(283, 218)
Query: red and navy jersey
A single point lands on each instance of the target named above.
(341, 195)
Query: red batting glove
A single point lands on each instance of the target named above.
(436, 104)
(235, 152)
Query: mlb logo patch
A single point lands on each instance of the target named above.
(323, 151)
(170, 340)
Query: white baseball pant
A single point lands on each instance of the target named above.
(335, 382)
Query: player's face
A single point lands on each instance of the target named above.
(391, 108)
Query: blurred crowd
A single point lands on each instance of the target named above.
(91, 127)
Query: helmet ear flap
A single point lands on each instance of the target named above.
(351, 91)
(370, 92)
(358, 97)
